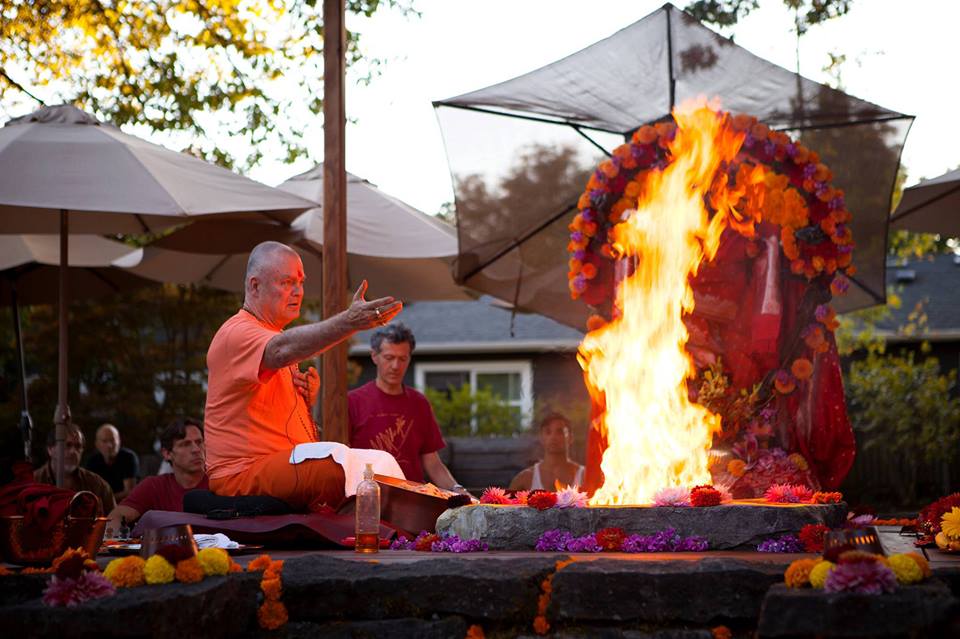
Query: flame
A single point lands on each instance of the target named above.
(636, 366)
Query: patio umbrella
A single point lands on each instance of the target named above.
(521, 151)
(932, 206)
(401, 251)
(63, 171)
(29, 271)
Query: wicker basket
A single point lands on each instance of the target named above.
(27, 546)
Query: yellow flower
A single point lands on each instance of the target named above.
(950, 524)
(215, 561)
(818, 575)
(126, 572)
(905, 568)
(158, 570)
(797, 460)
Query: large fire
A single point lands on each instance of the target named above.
(636, 366)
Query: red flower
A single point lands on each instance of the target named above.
(541, 500)
(704, 496)
(929, 518)
(812, 536)
(424, 544)
(611, 539)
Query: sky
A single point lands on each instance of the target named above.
(900, 58)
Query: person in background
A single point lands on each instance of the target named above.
(386, 415)
(74, 477)
(181, 443)
(556, 468)
(118, 465)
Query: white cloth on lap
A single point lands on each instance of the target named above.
(217, 540)
(352, 460)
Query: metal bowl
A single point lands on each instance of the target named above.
(840, 541)
(173, 542)
(28, 545)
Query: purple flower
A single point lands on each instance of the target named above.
(845, 248)
(401, 543)
(748, 141)
(587, 543)
(867, 577)
(769, 147)
(555, 540)
(783, 543)
(453, 543)
(579, 254)
(597, 194)
(576, 236)
(820, 188)
(580, 283)
(791, 150)
(836, 203)
(601, 177)
(822, 312)
(809, 170)
(588, 215)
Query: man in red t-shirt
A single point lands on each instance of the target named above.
(386, 415)
(181, 444)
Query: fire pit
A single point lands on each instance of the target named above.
(739, 525)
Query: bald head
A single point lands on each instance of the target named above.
(273, 290)
(264, 260)
(107, 441)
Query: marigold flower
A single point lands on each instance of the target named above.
(797, 574)
(632, 189)
(827, 498)
(589, 271)
(540, 625)
(802, 368)
(260, 563)
(645, 134)
(759, 131)
(72, 563)
(475, 632)
(799, 461)
(126, 572)
(905, 569)
(158, 570)
(425, 543)
(272, 588)
(736, 467)
(784, 382)
(922, 562)
(214, 561)
(742, 121)
(595, 322)
(272, 614)
(818, 575)
(721, 632)
(189, 571)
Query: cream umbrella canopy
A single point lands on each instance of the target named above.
(63, 171)
(401, 251)
(30, 269)
(932, 206)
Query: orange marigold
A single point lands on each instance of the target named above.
(645, 134)
(595, 322)
(30, 570)
(72, 562)
(6, 572)
(798, 573)
(260, 563)
(475, 632)
(736, 467)
(540, 625)
(721, 632)
(827, 498)
(189, 571)
(802, 368)
(272, 588)
(272, 615)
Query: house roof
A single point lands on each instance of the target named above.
(934, 284)
(478, 327)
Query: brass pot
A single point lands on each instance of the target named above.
(175, 543)
(28, 545)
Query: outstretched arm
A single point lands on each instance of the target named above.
(297, 344)
(437, 471)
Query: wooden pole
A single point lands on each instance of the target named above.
(62, 416)
(334, 374)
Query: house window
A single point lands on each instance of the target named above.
(510, 380)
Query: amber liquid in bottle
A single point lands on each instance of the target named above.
(367, 542)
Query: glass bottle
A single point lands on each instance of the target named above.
(368, 513)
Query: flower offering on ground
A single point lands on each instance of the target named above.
(783, 543)
(617, 540)
(432, 542)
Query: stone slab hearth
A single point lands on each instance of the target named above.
(739, 525)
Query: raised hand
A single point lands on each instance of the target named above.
(363, 314)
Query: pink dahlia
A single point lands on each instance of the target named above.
(72, 592)
(571, 497)
(672, 496)
(520, 497)
(866, 577)
(494, 495)
(788, 494)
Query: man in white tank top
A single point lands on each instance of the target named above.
(556, 469)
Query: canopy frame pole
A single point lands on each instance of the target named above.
(334, 376)
(671, 80)
(62, 417)
(26, 422)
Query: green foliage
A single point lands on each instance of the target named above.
(461, 412)
(237, 69)
(906, 407)
(727, 13)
